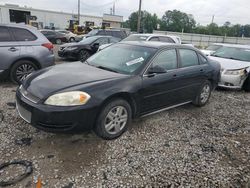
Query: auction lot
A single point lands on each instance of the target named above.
(182, 147)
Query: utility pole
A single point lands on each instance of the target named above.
(114, 8)
(139, 18)
(213, 19)
(79, 6)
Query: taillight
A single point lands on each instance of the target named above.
(48, 45)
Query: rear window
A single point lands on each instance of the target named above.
(188, 58)
(166, 39)
(22, 34)
(5, 34)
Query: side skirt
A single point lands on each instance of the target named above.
(164, 109)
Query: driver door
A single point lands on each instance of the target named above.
(159, 90)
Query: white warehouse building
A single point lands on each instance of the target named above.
(10, 13)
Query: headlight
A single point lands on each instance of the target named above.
(240, 72)
(72, 48)
(73, 98)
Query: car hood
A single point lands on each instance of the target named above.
(60, 77)
(230, 64)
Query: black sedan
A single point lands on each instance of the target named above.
(122, 82)
(85, 48)
(54, 36)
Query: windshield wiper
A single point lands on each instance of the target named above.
(106, 68)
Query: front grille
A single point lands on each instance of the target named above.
(28, 95)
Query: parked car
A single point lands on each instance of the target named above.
(154, 37)
(235, 66)
(54, 36)
(23, 50)
(121, 34)
(212, 48)
(85, 48)
(149, 37)
(125, 81)
(71, 37)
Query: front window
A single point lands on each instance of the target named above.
(88, 40)
(122, 58)
(136, 38)
(241, 54)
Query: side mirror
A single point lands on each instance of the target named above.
(156, 70)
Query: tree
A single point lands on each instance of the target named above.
(149, 22)
(177, 21)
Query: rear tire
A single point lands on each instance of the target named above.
(21, 69)
(113, 120)
(83, 55)
(72, 39)
(203, 95)
(58, 41)
(246, 85)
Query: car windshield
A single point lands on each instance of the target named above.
(136, 38)
(241, 54)
(122, 58)
(88, 40)
(213, 47)
(93, 32)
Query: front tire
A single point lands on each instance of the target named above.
(113, 119)
(246, 85)
(203, 95)
(83, 55)
(21, 69)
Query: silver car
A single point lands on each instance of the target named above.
(23, 49)
(235, 66)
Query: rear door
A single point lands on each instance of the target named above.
(159, 90)
(9, 49)
(191, 74)
(25, 40)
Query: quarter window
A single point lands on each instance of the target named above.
(5, 34)
(22, 34)
(188, 58)
(166, 59)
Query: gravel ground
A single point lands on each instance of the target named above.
(182, 147)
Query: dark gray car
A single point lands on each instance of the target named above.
(23, 49)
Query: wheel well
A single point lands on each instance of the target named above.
(125, 96)
(28, 59)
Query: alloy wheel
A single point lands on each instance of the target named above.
(23, 71)
(116, 120)
(205, 93)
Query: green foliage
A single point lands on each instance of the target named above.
(178, 21)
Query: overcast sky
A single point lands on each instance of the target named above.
(235, 11)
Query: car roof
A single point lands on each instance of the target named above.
(233, 45)
(20, 25)
(154, 35)
(157, 45)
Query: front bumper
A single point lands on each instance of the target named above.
(68, 54)
(56, 119)
(232, 81)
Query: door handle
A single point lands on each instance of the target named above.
(201, 70)
(13, 49)
(175, 76)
